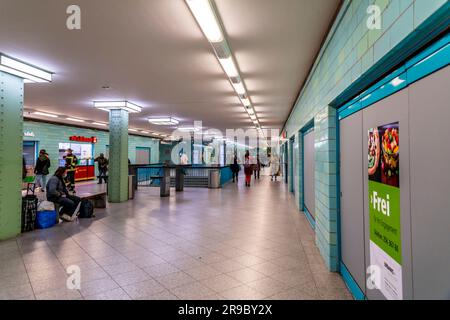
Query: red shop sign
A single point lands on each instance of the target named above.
(83, 139)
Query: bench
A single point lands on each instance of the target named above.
(98, 198)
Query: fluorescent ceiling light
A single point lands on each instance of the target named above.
(204, 14)
(188, 129)
(246, 102)
(132, 130)
(250, 111)
(165, 121)
(99, 124)
(123, 105)
(74, 120)
(23, 70)
(239, 87)
(397, 81)
(145, 132)
(46, 114)
(229, 67)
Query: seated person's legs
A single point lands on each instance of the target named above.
(68, 206)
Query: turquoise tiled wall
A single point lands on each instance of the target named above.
(349, 51)
(50, 135)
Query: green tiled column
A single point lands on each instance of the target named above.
(118, 156)
(11, 123)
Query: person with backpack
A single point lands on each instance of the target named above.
(248, 169)
(41, 169)
(71, 163)
(58, 194)
(257, 168)
(235, 168)
(102, 168)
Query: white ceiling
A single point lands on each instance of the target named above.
(152, 53)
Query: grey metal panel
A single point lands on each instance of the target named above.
(308, 180)
(430, 185)
(352, 198)
(392, 109)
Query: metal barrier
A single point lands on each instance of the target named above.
(195, 176)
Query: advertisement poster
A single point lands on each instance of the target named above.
(384, 208)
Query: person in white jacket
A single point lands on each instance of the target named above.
(274, 166)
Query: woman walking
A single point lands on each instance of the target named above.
(248, 169)
(274, 167)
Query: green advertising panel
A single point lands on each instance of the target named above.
(384, 212)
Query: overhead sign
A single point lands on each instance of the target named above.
(384, 208)
(28, 134)
(83, 139)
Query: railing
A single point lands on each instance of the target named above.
(194, 176)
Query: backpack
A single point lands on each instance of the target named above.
(86, 209)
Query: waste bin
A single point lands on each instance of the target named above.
(131, 183)
(214, 179)
(165, 182)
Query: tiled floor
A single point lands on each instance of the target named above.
(233, 243)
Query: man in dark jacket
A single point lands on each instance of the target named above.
(58, 193)
(102, 168)
(41, 169)
(71, 164)
(235, 168)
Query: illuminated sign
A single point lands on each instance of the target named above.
(28, 134)
(83, 139)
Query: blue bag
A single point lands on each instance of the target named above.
(45, 219)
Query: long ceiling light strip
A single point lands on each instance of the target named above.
(164, 121)
(204, 12)
(111, 105)
(23, 70)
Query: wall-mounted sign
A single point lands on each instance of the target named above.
(384, 208)
(28, 134)
(83, 139)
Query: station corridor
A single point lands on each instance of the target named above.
(231, 243)
(124, 123)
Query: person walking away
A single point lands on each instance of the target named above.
(274, 167)
(58, 193)
(102, 168)
(257, 171)
(248, 169)
(184, 160)
(41, 169)
(71, 163)
(235, 168)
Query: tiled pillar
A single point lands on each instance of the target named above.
(326, 186)
(118, 156)
(11, 146)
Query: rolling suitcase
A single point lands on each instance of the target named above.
(29, 210)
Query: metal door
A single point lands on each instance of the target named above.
(390, 110)
(352, 152)
(308, 172)
(430, 185)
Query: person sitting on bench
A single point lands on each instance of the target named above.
(58, 194)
